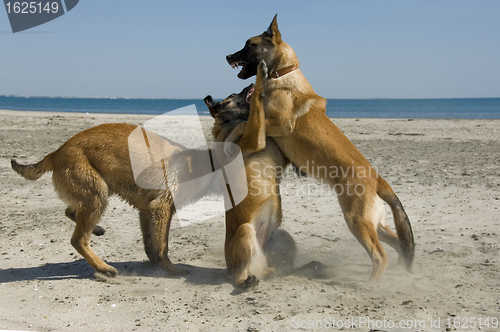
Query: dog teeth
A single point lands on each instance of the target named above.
(237, 64)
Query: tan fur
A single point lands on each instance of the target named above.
(90, 167)
(250, 224)
(295, 118)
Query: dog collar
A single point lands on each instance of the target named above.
(282, 72)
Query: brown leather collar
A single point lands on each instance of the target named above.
(282, 72)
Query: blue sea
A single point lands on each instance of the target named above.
(461, 108)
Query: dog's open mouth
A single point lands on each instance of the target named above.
(237, 64)
(249, 95)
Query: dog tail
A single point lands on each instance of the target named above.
(403, 226)
(33, 171)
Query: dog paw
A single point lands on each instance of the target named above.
(251, 281)
(171, 269)
(153, 256)
(98, 231)
(104, 277)
(262, 68)
(108, 272)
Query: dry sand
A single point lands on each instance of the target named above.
(446, 173)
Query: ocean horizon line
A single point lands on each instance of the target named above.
(147, 98)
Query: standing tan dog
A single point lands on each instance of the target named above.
(89, 168)
(250, 224)
(295, 118)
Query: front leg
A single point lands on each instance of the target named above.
(234, 138)
(253, 138)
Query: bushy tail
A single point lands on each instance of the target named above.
(33, 171)
(403, 226)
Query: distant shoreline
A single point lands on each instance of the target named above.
(459, 108)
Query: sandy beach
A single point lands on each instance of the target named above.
(445, 172)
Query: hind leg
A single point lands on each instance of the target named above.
(79, 184)
(161, 217)
(386, 235)
(86, 219)
(366, 234)
(71, 214)
(363, 220)
(244, 258)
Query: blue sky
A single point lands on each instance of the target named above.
(177, 49)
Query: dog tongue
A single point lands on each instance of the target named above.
(249, 95)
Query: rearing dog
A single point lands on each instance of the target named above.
(294, 116)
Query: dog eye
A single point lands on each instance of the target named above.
(250, 45)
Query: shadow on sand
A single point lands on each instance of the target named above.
(81, 270)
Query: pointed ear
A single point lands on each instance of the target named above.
(209, 101)
(273, 31)
(211, 104)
